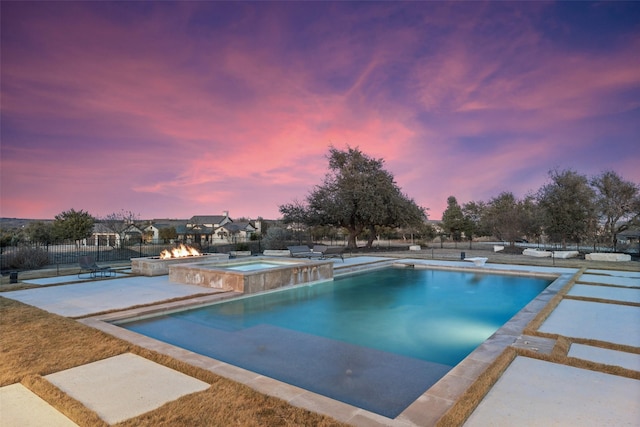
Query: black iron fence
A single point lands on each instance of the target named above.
(35, 256)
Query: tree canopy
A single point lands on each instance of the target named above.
(357, 194)
(616, 199)
(453, 220)
(74, 225)
(568, 206)
(504, 217)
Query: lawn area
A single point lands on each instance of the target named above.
(36, 343)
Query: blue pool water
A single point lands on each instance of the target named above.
(252, 266)
(375, 340)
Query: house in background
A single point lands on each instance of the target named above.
(201, 229)
(153, 232)
(105, 236)
(629, 240)
(236, 232)
(198, 230)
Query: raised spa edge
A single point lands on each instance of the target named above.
(272, 273)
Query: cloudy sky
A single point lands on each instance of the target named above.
(177, 109)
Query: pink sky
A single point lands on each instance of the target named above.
(171, 110)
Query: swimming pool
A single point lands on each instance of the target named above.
(375, 340)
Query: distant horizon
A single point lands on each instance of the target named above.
(169, 108)
(169, 219)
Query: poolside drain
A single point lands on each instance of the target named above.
(537, 344)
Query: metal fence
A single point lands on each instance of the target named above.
(34, 256)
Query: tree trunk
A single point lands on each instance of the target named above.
(351, 239)
(353, 233)
(372, 236)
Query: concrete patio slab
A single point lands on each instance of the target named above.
(21, 407)
(56, 280)
(618, 273)
(533, 392)
(612, 323)
(124, 386)
(630, 282)
(103, 295)
(605, 356)
(606, 292)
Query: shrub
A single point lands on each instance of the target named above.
(25, 258)
(242, 247)
(276, 238)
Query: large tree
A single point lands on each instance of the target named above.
(357, 194)
(41, 232)
(453, 220)
(507, 218)
(473, 213)
(617, 203)
(568, 206)
(74, 225)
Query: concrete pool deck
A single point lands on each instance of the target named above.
(529, 392)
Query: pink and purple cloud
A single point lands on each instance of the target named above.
(179, 109)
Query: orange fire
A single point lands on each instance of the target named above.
(179, 252)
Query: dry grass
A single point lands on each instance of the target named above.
(36, 343)
(64, 403)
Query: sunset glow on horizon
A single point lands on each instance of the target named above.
(175, 109)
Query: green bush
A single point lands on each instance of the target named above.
(242, 247)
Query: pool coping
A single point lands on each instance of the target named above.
(426, 410)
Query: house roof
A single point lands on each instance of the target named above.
(630, 233)
(168, 224)
(208, 219)
(240, 226)
(199, 229)
(99, 227)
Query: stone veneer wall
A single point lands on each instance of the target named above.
(250, 282)
(153, 266)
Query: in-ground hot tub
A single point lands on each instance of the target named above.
(251, 276)
(156, 266)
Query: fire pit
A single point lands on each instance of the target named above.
(159, 266)
(179, 252)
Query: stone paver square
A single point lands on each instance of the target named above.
(533, 392)
(606, 356)
(124, 386)
(21, 407)
(606, 292)
(614, 323)
(630, 282)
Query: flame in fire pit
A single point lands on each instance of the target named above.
(179, 252)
